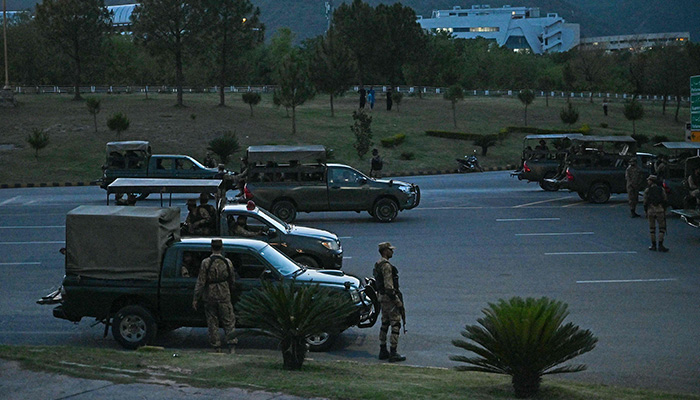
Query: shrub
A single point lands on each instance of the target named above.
(93, 107)
(634, 111)
(585, 129)
(38, 139)
(603, 125)
(362, 128)
(640, 139)
(407, 155)
(252, 99)
(658, 139)
(193, 116)
(393, 141)
(485, 141)
(224, 146)
(453, 135)
(291, 313)
(119, 123)
(569, 115)
(524, 339)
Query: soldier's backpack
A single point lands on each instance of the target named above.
(656, 196)
(378, 278)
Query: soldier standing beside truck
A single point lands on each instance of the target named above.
(655, 207)
(387, 278)
(635, 178)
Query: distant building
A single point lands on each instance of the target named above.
(641, 42)
(122, 15)
(517, 28)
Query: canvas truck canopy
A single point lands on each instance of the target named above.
(134, 145)
(553, 136)
(315, 154)
(112, 242)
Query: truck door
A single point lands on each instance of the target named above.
(161, 167)
(249, 269)
(347, 190)
(180, 271)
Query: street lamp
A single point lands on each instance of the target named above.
(4, 34)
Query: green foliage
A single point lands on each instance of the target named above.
(333, 68)
(38, 139)
(659, 138)
(585, 129)
(454, 94)
(453, 135)
(93, 107)
(393, 141)
(640, 139)
(633, 111)
(485, 141)
(118, 122)
(290, 313)
(524, 339)
(526, 97)
(569, 115)
(252, 99)
(295, 86)
(407, 155)
(603, 125)
(362, 129)
(193, 116)
(397, 97)
(224, 146)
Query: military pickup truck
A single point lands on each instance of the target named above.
(312, 247)
(288, 179)
(538, 165)
(139, 285)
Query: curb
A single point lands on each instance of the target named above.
(408, 173)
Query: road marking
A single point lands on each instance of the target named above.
(526, 219)
(56, 242)
(540, 202)
(9, 200)
(554, 234)
(629, 280)
(344, 237)
(587, 253)
(347, 258)
(454, 208)
(575, 204)
(21, 263)
(33, 227)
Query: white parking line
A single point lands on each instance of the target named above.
(588, 253)
(629, 280)
(21, 263)
(526, 219)
(56, 242)
(9, 200)
(554, 234)
(344, 237)
(453, 208)
(574, 204)
(540, 202)
(33, 227)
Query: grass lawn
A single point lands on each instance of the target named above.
(335, 380)
(76, 151)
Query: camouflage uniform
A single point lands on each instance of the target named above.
(391, 304)
(214, 286)
(654, 205)
(635, 180)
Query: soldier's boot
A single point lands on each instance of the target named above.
(396, 357)
(383, 353)
(634, 214)
(653, 245)
(662, 248)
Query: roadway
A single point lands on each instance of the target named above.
(474, 239)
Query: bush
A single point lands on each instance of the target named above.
(252, 99)
(640, 139)
(524, 339)
(540, 131)
(658, 139)
(119, 123)
(407, 155)
(453, 135)
(485, 141)
(38, 140)
(603, 125)
(634, 111)
(393, 141)
(362, 128)
(569, 115)
(224, 146)
(585, 129)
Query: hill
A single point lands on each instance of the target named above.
(307, 18)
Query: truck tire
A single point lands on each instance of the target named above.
(385, 210)
(285, 210)
(133, 326)
(321, 341)
(599, 193)
(308, 261)
(549, 186)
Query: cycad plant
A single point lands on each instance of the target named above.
(291, 313)
(524, 339)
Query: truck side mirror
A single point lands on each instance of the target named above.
(362, 181)
(271, 232)
(267, 276)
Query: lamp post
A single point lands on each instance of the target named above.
(4, 35)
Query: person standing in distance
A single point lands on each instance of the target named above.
(214, 286)
(387, 277)
(376, 164)
(655, 207)
(634, 176)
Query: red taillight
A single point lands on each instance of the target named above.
(569, 177)
(666, 188)
(525, 167)
(247, 193)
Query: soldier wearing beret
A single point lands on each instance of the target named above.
(214, 286)
(387, 277)
(655, 207)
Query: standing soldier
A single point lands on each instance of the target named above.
(635, 178)
(192, 218)
(661, 168)
(214, 286)
(655, 207)
(387, 277)
(207, 217)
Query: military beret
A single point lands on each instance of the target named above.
(653, 178)
(217, 243)
(204, 196)
(385, 245)
(192, 201)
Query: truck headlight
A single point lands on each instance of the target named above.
(355, 295)
(405, 189)
(331, 244)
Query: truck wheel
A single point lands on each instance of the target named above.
(285, 211)
(320, 341)
(385, 210)
(599, 193)
(308, 261)
(549, 186)
(133, 326)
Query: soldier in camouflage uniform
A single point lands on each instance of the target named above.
(214, 286)
(635, 179)
(655, 207)
(387, 277)
(207, 217)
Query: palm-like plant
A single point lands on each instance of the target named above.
(524, 339)
(291, 313)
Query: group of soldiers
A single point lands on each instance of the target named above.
(201, 219)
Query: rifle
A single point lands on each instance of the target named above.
(403, 311)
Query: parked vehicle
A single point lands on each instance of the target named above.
(469, 164)
(135, 284)
(683, 158)
(288, 179)
(538, 165)
(312, 247)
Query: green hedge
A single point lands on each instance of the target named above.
(393, 141)
(464, 135)
(539, 131)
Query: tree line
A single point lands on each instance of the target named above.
(222, 43)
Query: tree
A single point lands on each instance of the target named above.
(93, 107)
(168, 28)
(224, 146)
(526, 340)
(546, 83)
(485, 141)
(233, 27)
(569, 114)
(526, 97)
(38, 139)
(78, 28)
(633, 112)
(291, 313)
(362, 128)
(333, 67)
(454, 94)
(569, 80)
(119, 123)
(252, 99)
(295, 85)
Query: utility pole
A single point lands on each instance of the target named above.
(329, 13)
(6, 97)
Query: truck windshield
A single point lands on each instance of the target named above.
(274, 220)
(283, 264)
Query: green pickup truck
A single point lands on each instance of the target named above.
(135, 284)
(288, 179)
(539, 164)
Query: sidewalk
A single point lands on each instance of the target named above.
(17, 383)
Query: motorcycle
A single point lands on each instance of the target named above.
(469, 164)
